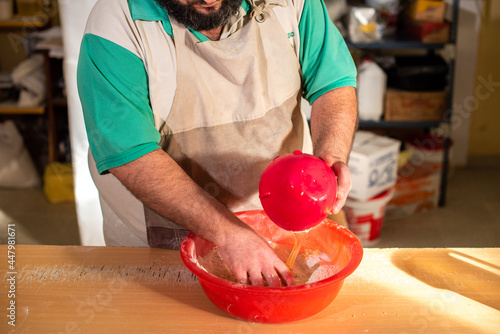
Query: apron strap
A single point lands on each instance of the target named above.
(261, 11)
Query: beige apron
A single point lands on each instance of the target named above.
(236, 107)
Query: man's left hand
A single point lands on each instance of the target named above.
(343, 174)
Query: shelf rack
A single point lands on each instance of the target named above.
(397, 44)
(402, 44)
(22, 25)
(399, 124)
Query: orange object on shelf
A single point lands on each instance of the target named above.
(427, 10)
(427, 32)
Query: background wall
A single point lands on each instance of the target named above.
(485, 105)
(469, 26)
(74, 14)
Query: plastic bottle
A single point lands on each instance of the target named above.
(371, 87)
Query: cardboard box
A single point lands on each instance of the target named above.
(29, 7)
(428, 32)
(373, 164)
(416, 190)
(414, 106)
(427, 10)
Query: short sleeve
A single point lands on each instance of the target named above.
(113, 89)
(325, 59)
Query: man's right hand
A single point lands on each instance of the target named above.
(251, 259)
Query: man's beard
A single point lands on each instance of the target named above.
(190, 17)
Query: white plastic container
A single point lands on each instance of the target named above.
(371, 87)
(365, 218)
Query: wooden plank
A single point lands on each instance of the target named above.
(11, 108)
(62, 289)
(24, 22)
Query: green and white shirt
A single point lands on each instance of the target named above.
(120, 86)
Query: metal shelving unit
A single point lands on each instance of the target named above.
(403, 44)
(19, 27)
(397, 44)
(399, 124)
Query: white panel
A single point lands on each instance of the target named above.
(73, 15)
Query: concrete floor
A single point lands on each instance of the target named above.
(36, 220)
(471, 217)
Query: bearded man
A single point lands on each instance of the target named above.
(187, 101)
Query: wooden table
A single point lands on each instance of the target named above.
(61, 289)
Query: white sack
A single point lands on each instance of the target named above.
(29, 77)
(16, 167)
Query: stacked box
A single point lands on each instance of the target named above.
(414, 106)
(373, 165)
(427, 10)
(425, 21)
(419, 180)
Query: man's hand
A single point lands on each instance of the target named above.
(343, 174)
(251, 259)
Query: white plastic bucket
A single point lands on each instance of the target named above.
(365, 218)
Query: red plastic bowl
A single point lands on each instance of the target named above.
(297, 191)
(278, 304)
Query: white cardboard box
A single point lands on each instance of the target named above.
(373, 164)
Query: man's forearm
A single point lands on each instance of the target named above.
(334, 120)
